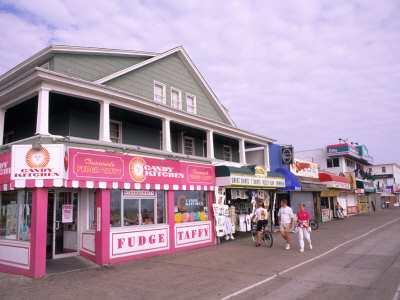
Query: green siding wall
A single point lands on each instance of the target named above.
(219, 151)
(21, 120)
(84, 124)
(90, 67)
(134, 134)
(173, 73)
(198, 147)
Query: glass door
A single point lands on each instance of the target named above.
(65, 224)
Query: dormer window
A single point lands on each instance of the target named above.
(191, 103)
(159, 92)
(176, 98)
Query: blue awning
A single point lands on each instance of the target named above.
(291, 181)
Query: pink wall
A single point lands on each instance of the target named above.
(102, 216)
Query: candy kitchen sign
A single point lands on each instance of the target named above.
(304, 168)
(101, 166)
(48, 162)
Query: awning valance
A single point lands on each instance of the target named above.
(309, 184)
(334, 181)
(291, 181)
(249, 177)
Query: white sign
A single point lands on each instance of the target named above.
(257, 181)
(192, 234)
(139, 241)
(67, 212)
(98, 225)
(337, 185)
(304, 168)
(50, 162)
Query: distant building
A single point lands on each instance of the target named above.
(387, 182)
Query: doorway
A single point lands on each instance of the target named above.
(62, 224)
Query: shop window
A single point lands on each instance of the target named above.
(191, 103)
(116, 132)
(227, 153)
(189, 146)
(176, 98)
(383, 169)
(159, 92)
(332, 162)
(324, 202)
(350, 163)
(15, 215)
(92, 210)
(190, 206)
(137, 208)
(115, 208)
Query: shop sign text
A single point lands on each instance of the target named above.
(304, 168)
(139, 241)
(257, 181)
(192, 234)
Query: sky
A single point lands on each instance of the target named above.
(305, 73)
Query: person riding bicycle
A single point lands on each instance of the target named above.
(262, 220)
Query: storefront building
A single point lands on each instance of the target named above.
(114, 159)
(338, 191)
(106, 207)
(239, 189)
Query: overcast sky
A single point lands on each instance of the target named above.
(302, 72)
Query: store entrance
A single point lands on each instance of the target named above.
(62, 224)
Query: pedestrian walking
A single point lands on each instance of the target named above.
(339, 211)
(285, 218)
(262, 220)
(303, 227)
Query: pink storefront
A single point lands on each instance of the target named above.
(57, 202)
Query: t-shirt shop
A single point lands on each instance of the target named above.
(58, 201)
(238, 192)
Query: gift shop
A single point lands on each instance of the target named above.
(239, 189)
(59, 201)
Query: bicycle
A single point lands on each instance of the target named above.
(313, 224)
(266, 236)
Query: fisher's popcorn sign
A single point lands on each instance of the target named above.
(304, 168)
(40, 162)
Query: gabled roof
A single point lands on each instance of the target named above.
(46, 53)
(191, 67)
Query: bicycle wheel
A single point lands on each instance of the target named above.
(267, 239)
(254, 236)
(314, 224)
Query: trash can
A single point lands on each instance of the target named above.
(388, 204)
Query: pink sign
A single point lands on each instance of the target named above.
(5, 167)
(101, 166)
(67, 210)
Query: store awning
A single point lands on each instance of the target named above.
(309, 184)
(366, 185)
(334, 181)
(291, 181)
(249, 177)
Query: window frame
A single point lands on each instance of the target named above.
(230, 152)
(331, 160)
(184, 145)
(194, 103)
(384, 170)
(179, 98)
(164, 90)
(119, 123)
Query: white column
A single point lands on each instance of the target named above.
(266, 157)
(242, 151)
(2, 115)
(210, 144)
(104, 130)
(166, 135)
(42, 122)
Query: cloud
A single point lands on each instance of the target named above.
(309, 72)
